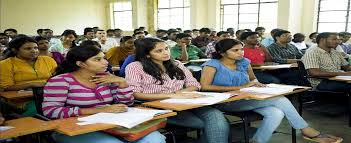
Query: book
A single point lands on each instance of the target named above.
(273, 89)
(209, 98)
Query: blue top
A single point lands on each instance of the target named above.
(127, 61)
(227, 77)
(267, 41)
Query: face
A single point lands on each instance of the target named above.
(118, 33)
(252, 40)
(196, 33)
(345, 38)
(43, 45)
(332, 41)
(313, 39)
(204, 34)
(160, 53)
(128, 44)
(95, 64)
(186, 40)
(99, 34)
(10, 34)
(4, 40)
(69, 38)
(173, 36)
(89, 35)
(261, 32)
(140, 36)
(234, 53)
(285, 38)
(224, 36)
(28, 51)
(110, 34)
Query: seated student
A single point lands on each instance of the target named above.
(229, 71)
(238, 33)
(202, 40)
(139, 35)
(184, 50)
(346, 47)
(43, 46)
(67, 42)
(260, 31)
(105, 42)
(172, 34)
(12, 33)
(117, 55)
(257, 55)
(210, 49)
(195, 33)
(269, 40)
(118, 35)
(156, 76)
(83, 74)
(88, 35)
(161, 34)
(325, 61)
(4, 39)
(299, 42)
(24, 68)
(312, 41)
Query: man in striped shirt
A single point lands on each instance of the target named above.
(325, 61)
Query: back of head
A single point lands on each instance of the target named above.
(297, 37)
(312, 34)
(224, 45)
(86, 43)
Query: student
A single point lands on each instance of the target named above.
(196, 33)
(110, 33)
(89, 33)
(118, 35)
(231, 32)
(260, 31)
(67, 42)
(188, 32)
(105, 42)
(12, 33)
(156, 76)
(161, 34)
(184, 50)
(202, 40)
(43, 46)
(172, 37)
(82, 73)
(229, 71)
(210, 49)
(312, 38)
(24, 68)
(117, 55)
(40, 32)
(139, 35)
(346, 47)
(4, 39)
(299, 42)
(257, 55)
(238, 33)
(270, 40)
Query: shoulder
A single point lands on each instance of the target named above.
(66, 77)
(47, 59)
(212, 63)
(6, 61)
(243, 61)
(135, 65)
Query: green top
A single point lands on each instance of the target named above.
(194, 52)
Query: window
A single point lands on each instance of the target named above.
(333, 16)
(122, 15)
(249, 14)
(173, 14)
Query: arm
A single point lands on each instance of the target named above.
(316, 72)
(184, 55)
(276, 56)
(346, 68)
(268, 57)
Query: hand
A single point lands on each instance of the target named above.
(2, 120)
(186, 95)
(109, 78)
(182, 45)
(115, 108)
(254, 84)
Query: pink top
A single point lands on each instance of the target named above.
(142, 82)
(64, 96)
(255, 55)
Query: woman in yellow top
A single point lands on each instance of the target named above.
(117, 55)
(24, 68)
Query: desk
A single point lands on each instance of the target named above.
(25, 126)
(116, 68)
(240, 95)
(275, 67)
(196, 61)
(16, 94)
(347, 79)
(69, 127)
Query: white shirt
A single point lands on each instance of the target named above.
(110, 43)
(299, 46)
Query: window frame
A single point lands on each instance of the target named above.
(169, 9)
(121, 11)
(347, 16)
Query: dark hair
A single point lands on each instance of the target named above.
(3, 34)
(298, 36)
(343, 34)
(182, 35)
(161, 30)
(223, 46)
(238, 31)
(39, 38)
(86, 43)
(311, 35)
(88, 29)
(98, 30)
(279, 33)
(146, 33)
(275, 30)
(170, 31)
(187, 31)
(117, 29)
(179, 29)
(248, 30)
(18, 42)
(136, 33)
(143, 48)
(11, 29)
(195, 30)
(222, 32)
(136, 30)
(244, 35)
(39, 31)
(230, 29)
(324, 35)
(80, 53)
(68, 32)
(125, 38)
(205, 30)
(259, 28)
(110, 30)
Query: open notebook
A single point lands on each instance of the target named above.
(281, 66)
(208, 99)
(343, 77)
(129, 119)
(273, 89)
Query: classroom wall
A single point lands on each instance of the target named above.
(28, 15)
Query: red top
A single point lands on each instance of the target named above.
(255, 55)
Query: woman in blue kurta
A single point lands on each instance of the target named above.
(229, 71)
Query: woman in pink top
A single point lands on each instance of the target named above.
(258, 55)
(81, 85)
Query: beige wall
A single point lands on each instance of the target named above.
(28, 15)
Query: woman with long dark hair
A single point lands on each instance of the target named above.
(80, 86)
(68, 38)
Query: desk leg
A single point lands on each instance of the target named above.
(349, 110)
(293, 135)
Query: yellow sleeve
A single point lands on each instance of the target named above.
(6, 74)
(110, 53)
(51, 64)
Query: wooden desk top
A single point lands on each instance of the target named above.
(240, 95)
(275, 67)
(16, 94)
(25, 126)
(69, 127)
(339, 79)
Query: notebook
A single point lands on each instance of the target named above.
(343, 77)
(209, 98)
(278, 66)
(273, 89)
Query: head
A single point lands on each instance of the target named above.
(89, 33)
(205, 32)
(239, 32)
(223, 35)
(231, 31)
(87, 58)
(48, 33)
(313, 37)
(118, 32)
(188, 32)
(260, 31)
(142, 28)
(12, 33)
(344, 36)
(69, 36)
(23, 47)
(40, 32)
(161, 33)
(179, 29)
(151, 52)
(4, 39)
(86, 43)
(282, 36)
(127, 42)
(273, 31)
(139, 35)
(137, 30)
(196, 32)
(96, 28)
(100, 34)
(327, 40)
(298, 38)
(110, 33)
(183, 38)
(249, 38)
(43, 43)
(172, 34)
(229, 49)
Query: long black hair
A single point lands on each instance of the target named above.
(79, 53)
(223, 46)
(143, 48)
(16, 43)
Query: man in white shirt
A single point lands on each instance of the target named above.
(105, 42)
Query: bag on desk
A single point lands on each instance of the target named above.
(139, 131)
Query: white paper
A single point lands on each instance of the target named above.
(129, 119)
(5, 128)
(278, 66)
(273, 89)
(199, 60)
(210, 98)
(343, 77)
